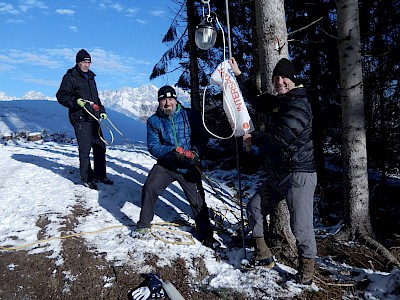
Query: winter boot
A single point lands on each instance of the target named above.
(140, 232)
(263, 256)
(306, 270)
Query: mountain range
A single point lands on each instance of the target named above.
(135, 102)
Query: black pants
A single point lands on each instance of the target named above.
(87, 135)
(158, 180)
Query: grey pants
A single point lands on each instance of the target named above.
(297, 189)
(158, 180)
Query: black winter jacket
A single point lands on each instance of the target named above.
(74, 85)
(287, 137)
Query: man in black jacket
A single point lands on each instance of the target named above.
(289, 156)
(78, 92)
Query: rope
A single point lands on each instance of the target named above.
(218, 196)
(111, 133)
(99, 132)
(158, 226)
(229, 106)
(60, 238)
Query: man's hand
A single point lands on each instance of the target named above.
(247, 139)
(234, 66)
(103, 116)
(81, 102)
(179, 152)
(192, 156)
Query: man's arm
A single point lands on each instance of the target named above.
(64, 94)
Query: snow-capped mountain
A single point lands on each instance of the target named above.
(138, 103)
(33, 95)
(30, 95)
(3, 96)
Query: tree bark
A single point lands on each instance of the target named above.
(195, 99)
(273, 45)
(272, 34)
(356, 193)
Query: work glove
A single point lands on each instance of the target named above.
(81, 102)
(154, 283)
(179, 152)
(103, 116)
(192, 156)
(142, 293)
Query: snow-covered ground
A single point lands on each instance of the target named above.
(41, 179)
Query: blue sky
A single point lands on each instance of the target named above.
(40, 40)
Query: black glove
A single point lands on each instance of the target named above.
(153, 282)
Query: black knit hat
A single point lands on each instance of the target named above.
(166, 92)
(83, 55)
(285, 68)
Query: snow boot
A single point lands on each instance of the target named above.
(305, 271)
(263, 256)
(105, 180)
(140, 232)
(90, 184)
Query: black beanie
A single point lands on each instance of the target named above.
(83, 55)
(285, 68)
(166, 92)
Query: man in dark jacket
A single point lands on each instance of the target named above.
(177, 138)
(78, 92)
(288, 146)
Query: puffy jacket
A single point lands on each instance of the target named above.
(287, 138)
(75, 85)
(183, 128)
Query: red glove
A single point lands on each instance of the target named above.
(179, 152)
(192, 156)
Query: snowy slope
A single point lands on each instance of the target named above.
(41, 179)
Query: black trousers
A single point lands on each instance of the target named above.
(158, 180)
(87, 135)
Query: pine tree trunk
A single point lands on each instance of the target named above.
(272, 35)
(356, 194)
(195, 99)
(355, 172)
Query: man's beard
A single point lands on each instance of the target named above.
(168, 111)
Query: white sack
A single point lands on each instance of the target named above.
(233, 103)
